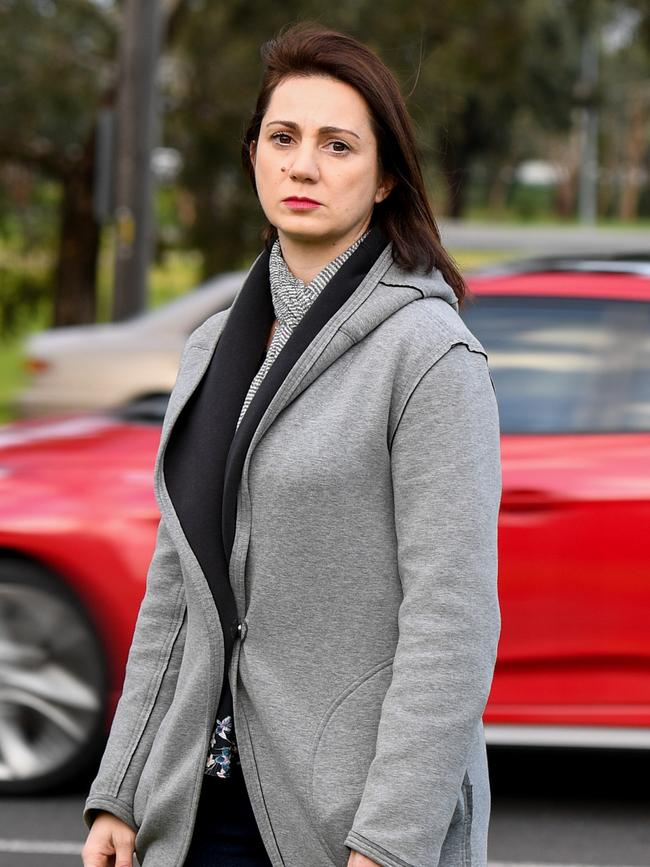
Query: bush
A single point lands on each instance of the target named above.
(24, 297)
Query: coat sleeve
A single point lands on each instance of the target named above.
(149, 683)
(150, 676)
(446, 469)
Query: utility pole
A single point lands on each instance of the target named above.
(136, 130)
(588, 187)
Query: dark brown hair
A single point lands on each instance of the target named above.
(404, 215)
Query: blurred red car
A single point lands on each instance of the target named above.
(569, 347)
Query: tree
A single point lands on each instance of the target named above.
(52, 86)
(469, 70)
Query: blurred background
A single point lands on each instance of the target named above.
(126, 220)
(528, 113)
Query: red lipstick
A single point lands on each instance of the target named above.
(300, 203)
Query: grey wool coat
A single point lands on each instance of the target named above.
(363, 567)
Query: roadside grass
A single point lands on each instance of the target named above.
(174, 275)
(12, 376)
(514, 217)
(471, 260)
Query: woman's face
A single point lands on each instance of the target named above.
(316, 142)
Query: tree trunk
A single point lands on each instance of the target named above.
(497, 189)
(564, 152)
(76, 268)
(223, 225)
(457, 188)
(636, 145)
(564, 198)
(455, 176)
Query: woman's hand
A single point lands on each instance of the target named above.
(110, 843)
(356, 859)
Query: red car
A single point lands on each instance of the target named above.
(569, 347)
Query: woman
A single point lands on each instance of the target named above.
(325, 567)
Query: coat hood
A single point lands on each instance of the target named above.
(385, 290)
(394, 290)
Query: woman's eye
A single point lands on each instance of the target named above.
(340, 147)
(281, 137)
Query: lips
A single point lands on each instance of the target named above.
(300, 203)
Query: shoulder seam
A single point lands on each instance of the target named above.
(404, 285)
(455, 342)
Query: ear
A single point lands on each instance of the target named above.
(385, 188)
(252, 147)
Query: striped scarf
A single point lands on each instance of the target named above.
(291, 300)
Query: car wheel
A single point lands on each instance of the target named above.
(52, 681)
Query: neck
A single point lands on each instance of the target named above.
(306, 259)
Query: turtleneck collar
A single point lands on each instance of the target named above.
(291, 296)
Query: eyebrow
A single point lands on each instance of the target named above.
(292, 125)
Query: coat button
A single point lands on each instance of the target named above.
(242, 629)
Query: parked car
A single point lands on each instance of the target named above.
(77, 527)
(569, 349)
(569, 352)
(90, 367)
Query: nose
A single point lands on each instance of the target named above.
(304, 166)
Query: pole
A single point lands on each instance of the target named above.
(136, 128)
(588, 187)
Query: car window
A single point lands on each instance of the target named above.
(562, 365)
(635, 391)
(143, 410)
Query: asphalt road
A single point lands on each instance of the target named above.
(566, 809)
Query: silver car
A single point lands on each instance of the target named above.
(91, 367)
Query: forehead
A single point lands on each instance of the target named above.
(319, 101)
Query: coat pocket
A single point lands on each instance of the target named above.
(167, 693)
(343, 751)
(467, 820)
(457, 847)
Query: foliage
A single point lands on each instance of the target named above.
(23, 295)
(56, 57)
(490, 83)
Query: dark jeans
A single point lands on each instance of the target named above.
(226, 833)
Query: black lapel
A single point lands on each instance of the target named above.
(197, 449)
(333, 296)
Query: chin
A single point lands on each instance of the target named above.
(307, 234)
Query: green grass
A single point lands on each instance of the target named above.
(12, 376)
(468, 260)
(175, 275)
(512, 217)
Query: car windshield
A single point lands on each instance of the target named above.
(565, 365)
